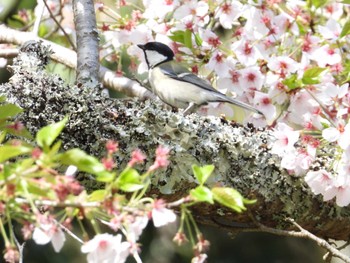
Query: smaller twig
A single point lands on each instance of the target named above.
(347, 243)
(302, 233)
(321, 242)
(8, 53)
(20, 247)
(59, 25)
(178, 202)
(41, 9)
(65, 229)
(59, 204)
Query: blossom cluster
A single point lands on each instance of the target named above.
(286, 58)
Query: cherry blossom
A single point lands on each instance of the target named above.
(286, 138)
(251, 78)
(218, 63)
(192, 8)
(161, 215)
(159, 8)
(331, 30)
(326, 55)
(136, 157)
(201, 258)
(136, 227)
(49, 232)
(228, 12)
(246, 52)
(264, 103)
(283, 65)
(321, 182)
(106, 248)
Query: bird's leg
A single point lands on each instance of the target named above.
(191, 107)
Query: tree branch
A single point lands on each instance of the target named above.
(87, 43)
(68, 57)
(241, 154)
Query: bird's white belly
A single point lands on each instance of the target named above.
(175, 93)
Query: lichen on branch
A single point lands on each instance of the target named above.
(240, 153)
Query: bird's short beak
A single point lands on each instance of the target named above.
(141, 46)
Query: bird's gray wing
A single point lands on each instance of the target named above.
(180, 73)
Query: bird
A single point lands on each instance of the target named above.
(177, 86)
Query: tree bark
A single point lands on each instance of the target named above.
(87, 43)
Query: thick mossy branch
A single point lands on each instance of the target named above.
(241, 154)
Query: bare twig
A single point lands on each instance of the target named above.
(8, 53)
(20, 248)
(59, 25)
(59, 204)
(41, 9)
(65, 229)
(303, 233)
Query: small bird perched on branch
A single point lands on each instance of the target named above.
(177, 86)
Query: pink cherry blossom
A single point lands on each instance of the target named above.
(251, 78)
(136, 228)
(192, 8)
(136, 157)
(161, 215)
(201, 258)
(286, 137)
(326, 55)
(228, 12)
(331, 30)
(106, 248)
(159, 8)
(321, 182)
(246, 52)
(218, 63)
(49, 232)
(283, 65)
(263, 103)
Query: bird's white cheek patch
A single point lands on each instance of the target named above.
(154, 57)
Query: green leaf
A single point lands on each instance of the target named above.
(97, 195)
(188, 38)
(345, 2)
(10, 151)
(319, 3)
(23, 132)
(178, 36)
(83, 161)
(202, 173)
(292, 82)
(2, 136)
(183, 37)
(202, 194)
(105, 176)
(47, 135)
(9, 110)
(34, 189)
(301, 28)
(198, 40)
(129, 180)
(346, 29)
(312, 75)
(229, 197)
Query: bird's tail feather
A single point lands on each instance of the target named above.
(243, 105)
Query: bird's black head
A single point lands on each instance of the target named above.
(156, 53)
